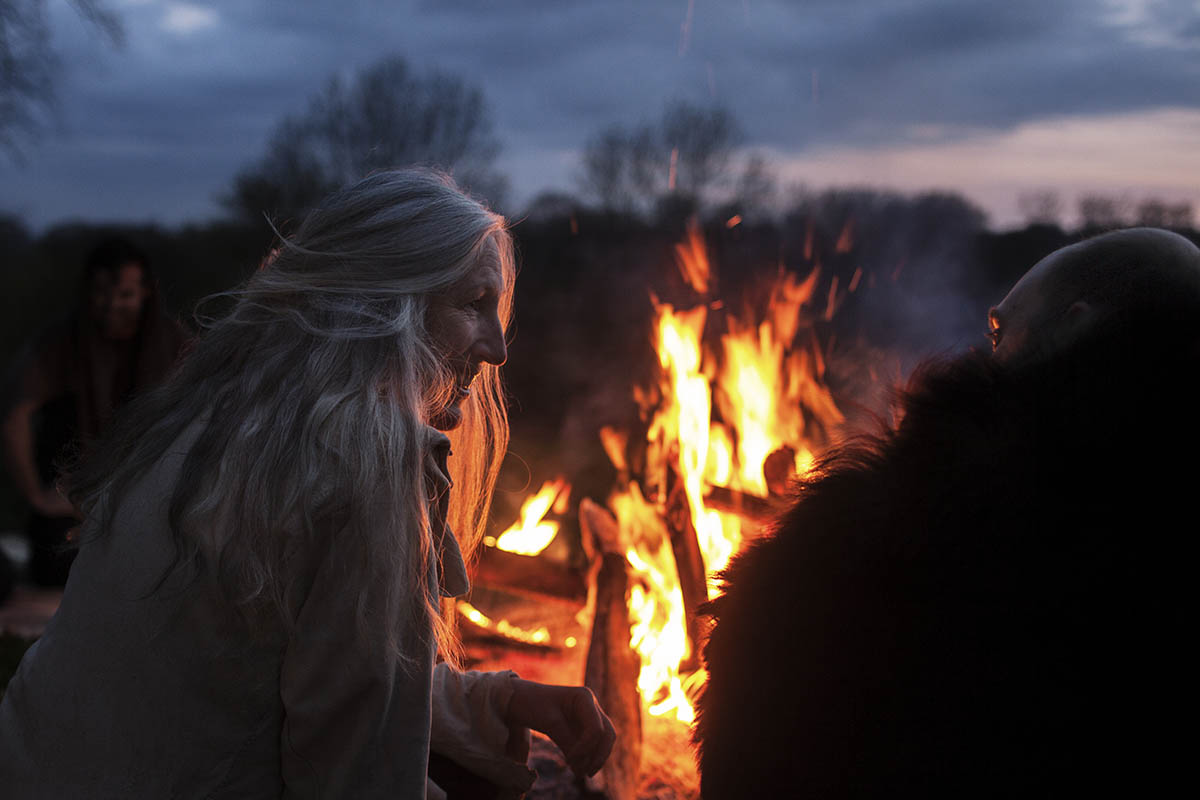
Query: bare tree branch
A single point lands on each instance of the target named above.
(386, 116)
(29, 67)
(629, 170)
(704, 139)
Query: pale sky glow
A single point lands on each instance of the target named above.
(988, 98)
(185, 18)
(1152, 22)
(1145, 154)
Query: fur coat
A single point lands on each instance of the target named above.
(992, 597)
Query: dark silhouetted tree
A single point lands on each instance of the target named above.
(1102, 212)
(647, 166)
(388, 115)
(1161, 214)
(1040, 207)
(29, 66)
(702, 140)
(1180, 215)
(756, 190)
(285, 182)
(550, 205)
(638, 170)
(605, 175)
(623, 170)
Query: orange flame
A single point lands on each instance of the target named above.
(691, 257)
(658, 626)
(539, 635)
(763, 384)
(531, 535)
(614, 443)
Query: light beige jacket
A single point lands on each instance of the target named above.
(138, 691)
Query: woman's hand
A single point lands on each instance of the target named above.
(570, 716)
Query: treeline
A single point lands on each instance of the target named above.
(941, 267)
(924, 269)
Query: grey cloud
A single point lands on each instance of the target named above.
(556, 72)
(950, 63)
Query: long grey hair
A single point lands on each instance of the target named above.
(316, 390)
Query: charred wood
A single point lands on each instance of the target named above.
(599, 529)
(689, 563)
(612, 674)
(748, 506)
(536, 577)
(779, 471)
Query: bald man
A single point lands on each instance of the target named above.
(1096, 285)
(994, 597)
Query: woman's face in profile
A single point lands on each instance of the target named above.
(465, 324)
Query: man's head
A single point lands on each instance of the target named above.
(118, 285)
(1096, 286)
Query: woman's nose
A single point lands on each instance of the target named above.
(491, 347)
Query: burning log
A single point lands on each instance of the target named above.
(612, 664)
(779, 470)
(600, 532)
(536, 577)
(689, 563)
(751, 507)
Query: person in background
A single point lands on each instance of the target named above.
(116, 343)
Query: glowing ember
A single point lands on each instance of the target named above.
(531, 534)
(846, 240)
(831, 304)
(538, 636)
(685, 29)
(691, 256)
(855, 279)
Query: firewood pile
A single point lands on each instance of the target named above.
(566, 624)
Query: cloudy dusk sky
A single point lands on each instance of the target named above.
(991, 99)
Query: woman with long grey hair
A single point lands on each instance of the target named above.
(268, 539)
